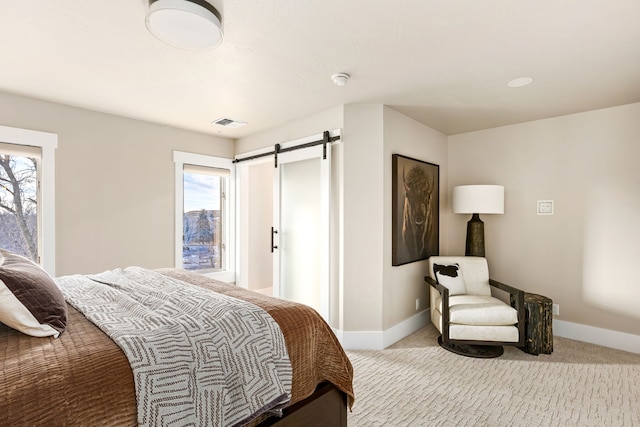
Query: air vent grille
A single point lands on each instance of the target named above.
(229, 123)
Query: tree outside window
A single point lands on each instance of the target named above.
(19, 205)
(202, 219)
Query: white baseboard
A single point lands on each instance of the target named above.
(599, 336)
(361, 340)
(379, 340)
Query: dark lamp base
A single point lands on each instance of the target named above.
(475, 237)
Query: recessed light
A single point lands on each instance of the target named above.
(520, 82)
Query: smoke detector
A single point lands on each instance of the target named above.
(340, 79)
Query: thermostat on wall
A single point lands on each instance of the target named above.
(545, 207)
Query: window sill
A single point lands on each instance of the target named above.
(222, 276)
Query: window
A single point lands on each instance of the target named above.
(27, 184)
(19, 200)
(203, 217)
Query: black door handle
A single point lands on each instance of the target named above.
(273, 232)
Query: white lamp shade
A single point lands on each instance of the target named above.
(480, 199)
(184, 24)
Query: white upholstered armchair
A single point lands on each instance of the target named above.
(471, 321)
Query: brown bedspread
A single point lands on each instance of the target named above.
(83, 378)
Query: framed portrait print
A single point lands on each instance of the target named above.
(415, 217)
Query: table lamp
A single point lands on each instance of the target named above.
(476, 200)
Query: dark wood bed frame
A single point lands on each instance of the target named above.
(327, 407)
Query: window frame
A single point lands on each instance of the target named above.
(181, 158)
(48, 143)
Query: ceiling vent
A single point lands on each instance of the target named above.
(229, 123)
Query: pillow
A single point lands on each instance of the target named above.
(30, 301)
(450, 276)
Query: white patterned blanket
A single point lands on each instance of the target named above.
(198, 358)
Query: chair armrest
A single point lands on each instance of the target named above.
(504, 287)
(437, 286)
(444, 295)
(517, 298)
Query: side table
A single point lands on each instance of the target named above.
(538, 324)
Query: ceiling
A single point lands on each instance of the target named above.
(444, 63)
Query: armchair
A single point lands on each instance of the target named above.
(471, 321)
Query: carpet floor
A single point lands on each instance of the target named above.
(415, 382)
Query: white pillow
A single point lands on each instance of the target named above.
(450, 276)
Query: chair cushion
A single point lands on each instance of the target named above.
(479, 310)
(477, 332)
(450, 276)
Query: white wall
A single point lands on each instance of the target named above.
(583, 257)
(114, 183)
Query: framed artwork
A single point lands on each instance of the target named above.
(416, 214)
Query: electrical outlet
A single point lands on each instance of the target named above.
(417, 303)
(556, 309)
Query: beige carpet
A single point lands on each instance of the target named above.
(417, 383)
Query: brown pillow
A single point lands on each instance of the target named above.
(30, 301)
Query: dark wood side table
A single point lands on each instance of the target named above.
(538, 324)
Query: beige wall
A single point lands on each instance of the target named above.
(584, 256)
(362, 217)
(296, 129)
(115, 202)
(404, 283)
(368, 294)
(114, 183)
(357, 208)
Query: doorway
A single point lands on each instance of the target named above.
(284, 226)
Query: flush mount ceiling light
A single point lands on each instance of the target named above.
(185, 24)
(520, 82)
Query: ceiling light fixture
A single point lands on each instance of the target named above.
(340, 79)
(520, 82)
(185, 24)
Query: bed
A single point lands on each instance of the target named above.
(83, 377)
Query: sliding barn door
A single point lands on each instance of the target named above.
(300, 235)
